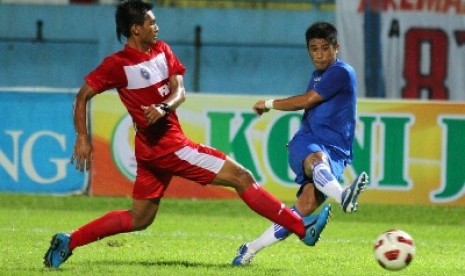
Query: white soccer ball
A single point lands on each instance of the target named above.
(394, 249)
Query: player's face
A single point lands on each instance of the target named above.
(322, 53)
(150, 29)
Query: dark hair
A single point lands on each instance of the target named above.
(128, 13)
(322, 30)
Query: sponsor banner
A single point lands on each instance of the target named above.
(411, 49)
(409, 148)
(36, 142)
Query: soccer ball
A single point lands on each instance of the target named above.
(394, 249)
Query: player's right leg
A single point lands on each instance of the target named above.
(140, 216)
(58, 251)
(112, 223)
(274, 234)
(62, 244)
(315, 224)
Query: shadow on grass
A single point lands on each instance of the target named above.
(176, 265)
(185, 264)
(115, 263)
(161, 263)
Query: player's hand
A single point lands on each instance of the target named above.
(152, 113)
(82, 155)
(259, 107)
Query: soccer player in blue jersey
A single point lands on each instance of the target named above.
(322, 147)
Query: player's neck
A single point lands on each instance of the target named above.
(141, 47)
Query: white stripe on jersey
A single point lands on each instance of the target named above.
(202, 160)
(147, 73)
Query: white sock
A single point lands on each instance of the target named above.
(326, 183)
(269, 238)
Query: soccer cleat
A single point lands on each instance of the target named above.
(244, 256)
(314, 225)
(351, 193)
(58, 251)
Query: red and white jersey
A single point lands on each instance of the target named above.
(143, 79)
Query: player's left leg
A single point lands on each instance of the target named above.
(232, 174)
(206, 165)
(308, 200)
(325, 174)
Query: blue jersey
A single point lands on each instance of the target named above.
(331, 122)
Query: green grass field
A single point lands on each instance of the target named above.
(200, 237)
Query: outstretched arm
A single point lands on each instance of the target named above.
(82, 155)
(298, 102)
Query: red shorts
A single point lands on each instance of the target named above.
(194, 162)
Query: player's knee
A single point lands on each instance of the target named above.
(234, 175)
(313, 159)
(141, 224)
(246, 175)
(307, 209)
(141, 221)
(242, 178)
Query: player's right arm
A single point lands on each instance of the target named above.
(293, 103)
(82, 155)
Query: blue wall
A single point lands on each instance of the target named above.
(36, 142)
(244, 51)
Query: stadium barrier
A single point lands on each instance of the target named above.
(411, 149)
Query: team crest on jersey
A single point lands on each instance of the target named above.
(316, 80)
(145, 73)
(164, 90)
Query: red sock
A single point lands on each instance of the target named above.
(114, 222)
(271, 208)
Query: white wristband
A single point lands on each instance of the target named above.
(269, 104)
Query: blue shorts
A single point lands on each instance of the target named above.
(304, 144)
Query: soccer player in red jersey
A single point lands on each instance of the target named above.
(149, 81)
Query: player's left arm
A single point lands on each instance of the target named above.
(178, 92)
(177, 96)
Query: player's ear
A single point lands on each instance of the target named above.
(135, 29)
